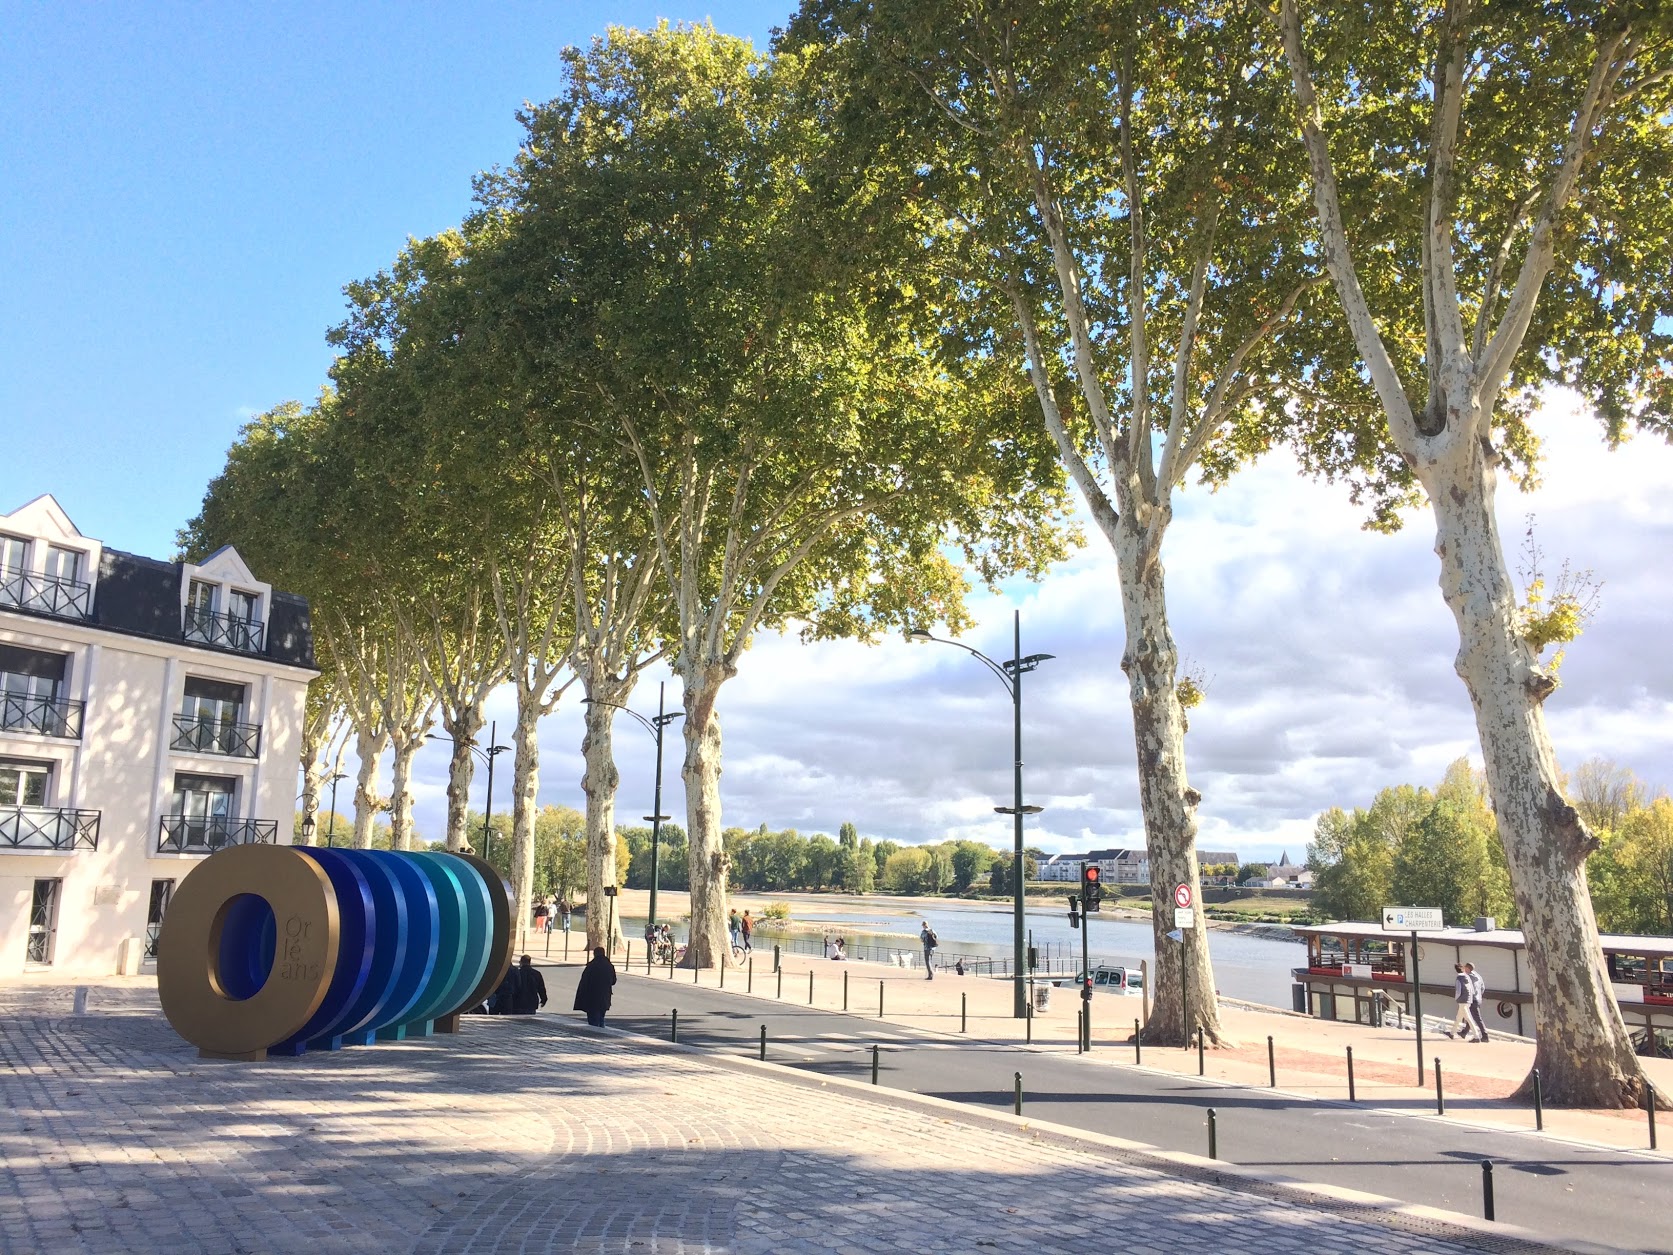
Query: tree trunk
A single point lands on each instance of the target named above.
(1184, 973)
(400, 791)
(599, 784)
(706, 853)
(314, 771)
(461, 769)
(525, 784)
(1582, 1051)
(368, 747)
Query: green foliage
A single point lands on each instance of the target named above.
(1252, 871)
(1632, 874)
(1413, 848)
(776, 911)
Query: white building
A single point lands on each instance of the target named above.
(150, 713)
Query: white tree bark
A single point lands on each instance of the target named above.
(706, 851)
(525, 787)
(317, 722)
(599, 784)
(462, 726)
(401, 828)
(1582, 1053)
(1184, 997)
(369, 745)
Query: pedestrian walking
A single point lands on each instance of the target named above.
(563, 913)
(734, 926)
(528, 988)
(593, 992)
(746, 927)
(1461, 1003)
(927, 936)
(1478, 987)
(540, 909)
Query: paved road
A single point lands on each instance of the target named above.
(1617, 1197)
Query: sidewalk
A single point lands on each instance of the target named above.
(1311, 1054)
(537, 1135)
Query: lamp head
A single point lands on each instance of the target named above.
(918, 636)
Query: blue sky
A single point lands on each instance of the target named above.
(185, 191)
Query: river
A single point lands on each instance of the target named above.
(1252, 968)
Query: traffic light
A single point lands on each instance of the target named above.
(1074, 911)
(1091, 887)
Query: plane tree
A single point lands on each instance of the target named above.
(1493, 185)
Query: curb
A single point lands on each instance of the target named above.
(1418, 1219)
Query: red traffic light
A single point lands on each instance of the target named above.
(1090, 873)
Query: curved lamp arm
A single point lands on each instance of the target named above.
(919, 635)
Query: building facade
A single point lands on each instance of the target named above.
(150, 713)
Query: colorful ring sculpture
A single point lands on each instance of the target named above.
(271, 949)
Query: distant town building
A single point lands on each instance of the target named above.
(1125, 866)
(150, 713)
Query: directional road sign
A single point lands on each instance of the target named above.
(1411, 919)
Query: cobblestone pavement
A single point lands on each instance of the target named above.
(528, 1136)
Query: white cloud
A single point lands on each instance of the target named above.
(1328, 648)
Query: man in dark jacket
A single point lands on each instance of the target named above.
(528, 988)
(593, 994)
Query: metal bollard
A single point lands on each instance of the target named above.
(775, 956)
(1539, 1102)
(874, 1065)
(1650, 1108)
(1019, 1093)
(1201, 1062)
(1138, 1048)
(674, 1026)
(963, 1013)
(725, 962)
(1271, 1064)
(880, 1000)
(810, 989)
(696, 969)
(1352, 1097)
(763, 1043)
(1028, 1026)
(670, 967)
(749, 982)
(627, 960)
(566, 945)
(1213, 1135)
(845, 989)
(780, 992)
(1487, 1190)
(1440, 1095)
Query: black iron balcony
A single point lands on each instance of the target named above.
(49, 594)
(48, 828)
(49, 716)
(207, 736)
(194, 834)
(223, 630)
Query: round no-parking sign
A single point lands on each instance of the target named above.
(1182, 896)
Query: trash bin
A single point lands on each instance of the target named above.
(1042, 997)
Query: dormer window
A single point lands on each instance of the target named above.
(56, 588)
(233, 624)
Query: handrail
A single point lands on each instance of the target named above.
(48, 828)
(191, 834)
(207, 736)
(50, 716)
(223, 629)
(49, 594)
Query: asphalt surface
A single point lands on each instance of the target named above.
(1558, 1189)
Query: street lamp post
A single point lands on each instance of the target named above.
(494, 750)
(331, 831)
(1010, 672)
(664, 717)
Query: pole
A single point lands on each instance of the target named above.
(1271, 1064)
(1138, 1046)
(963, 1006)
(1539, 1103)
(1019, 1092)
(1213, 1135)
(674, 1026)
(331, 834)
(763, 1043)
(1417, 1006)
(1487, 1190)
(845, 989)
(656, 807)
(1184, 993)
(488, 809)
(1440, 1094)
(1352, 1097)
(1650, 1109)
(1086, 980)
(874, 1065)
(1020, 997)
